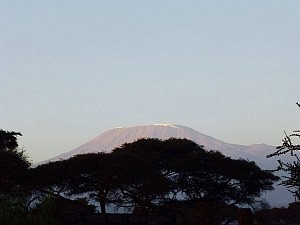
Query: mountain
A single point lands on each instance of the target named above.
(113, 138)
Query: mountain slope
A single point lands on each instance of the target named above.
(111, 139)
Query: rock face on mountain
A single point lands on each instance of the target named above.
(111, 139)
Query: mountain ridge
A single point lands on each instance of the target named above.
(115, 137)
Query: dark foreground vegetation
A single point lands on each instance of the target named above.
(152, 181)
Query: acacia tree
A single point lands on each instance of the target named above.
(180, 167)
(148, 170)
(290, 145)
(140, 179)
(215, 178)
(13, 161)
(52, 177)
(89, 174)
(153, 172)
(94, 175)
(13, 166)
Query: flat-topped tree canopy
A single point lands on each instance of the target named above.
(152, 172)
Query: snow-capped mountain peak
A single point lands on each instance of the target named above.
(113, 138)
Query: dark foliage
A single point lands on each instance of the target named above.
(279, 216)
(94, 175)
(290, 145)
(151, 173)
(154, 172)
(13, 167)
(213, 177)
(13, 162)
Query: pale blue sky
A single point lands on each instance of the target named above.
(70, 69)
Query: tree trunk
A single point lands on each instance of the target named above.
(102, 207)
(102, 201)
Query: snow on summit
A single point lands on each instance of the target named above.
(113, 138)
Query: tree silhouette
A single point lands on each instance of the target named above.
(13, 168)
(290, 145)
(156, 171)
(140, 180)
(13, 161)
(90, 174)
(94, 176)
(151, 173)
(212, 177)
(51, 177)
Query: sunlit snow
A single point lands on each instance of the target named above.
(113, 138)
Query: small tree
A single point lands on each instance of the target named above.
(13, 161)
(290, 145)
(13, 167)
